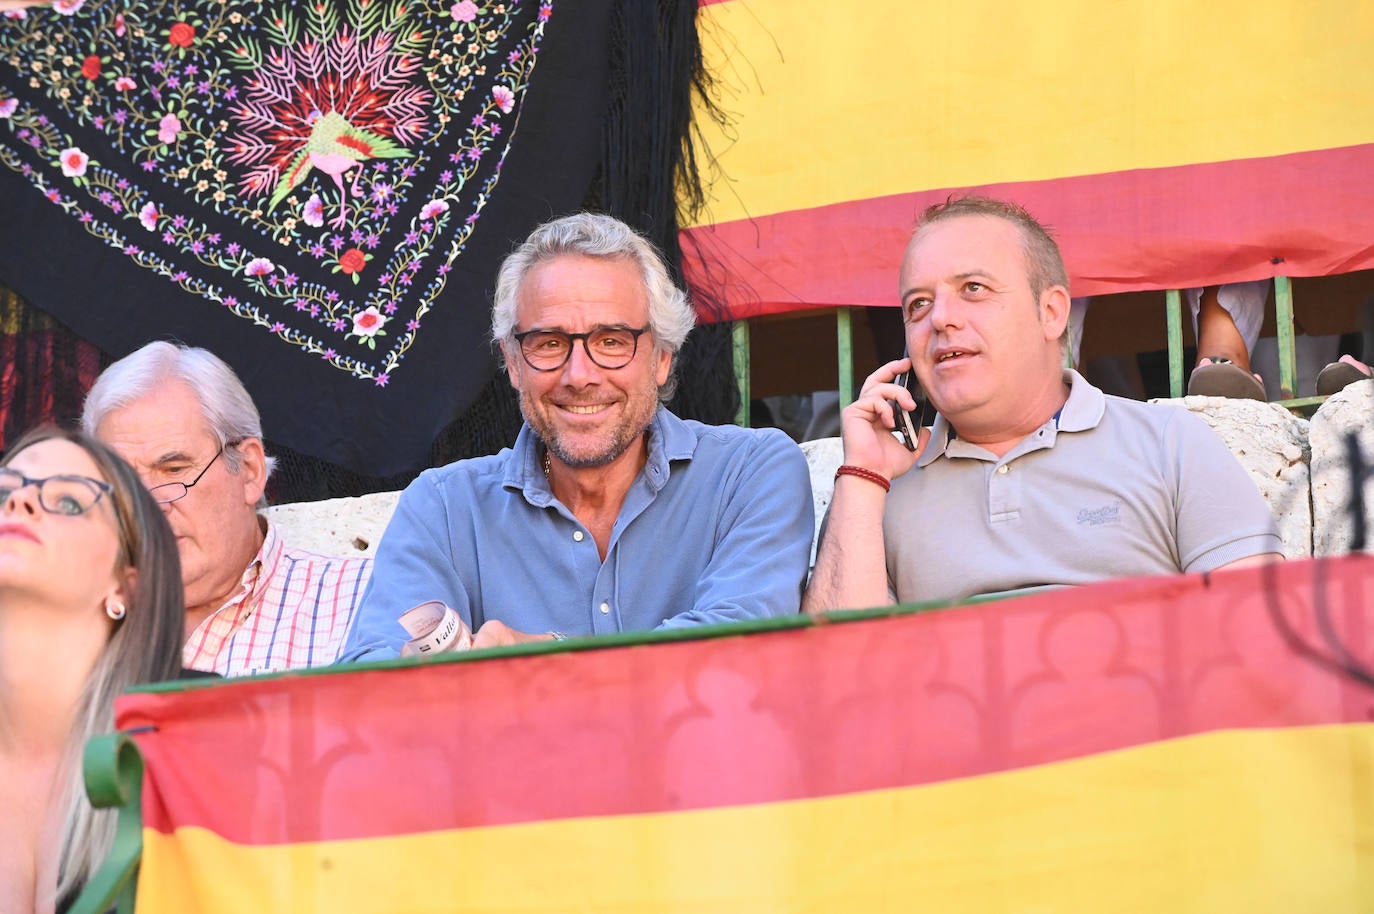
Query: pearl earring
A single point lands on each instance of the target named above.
(114, 609)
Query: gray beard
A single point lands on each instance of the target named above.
(615, 446)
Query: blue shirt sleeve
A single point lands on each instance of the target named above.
(414, 563)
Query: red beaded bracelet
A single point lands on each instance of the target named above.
(864, 473)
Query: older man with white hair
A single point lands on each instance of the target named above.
(183, 419)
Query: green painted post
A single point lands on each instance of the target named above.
(1173, 309)
(741, 360)
(113, 770)
(1288, 354)
(844, 352)
(1072, 331)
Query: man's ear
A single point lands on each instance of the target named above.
(252, 469)
(1054, 311)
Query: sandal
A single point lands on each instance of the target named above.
(1218, 377)
(1337, 375)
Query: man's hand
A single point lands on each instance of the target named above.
(851, 570)
(494, 633)
(866, 424)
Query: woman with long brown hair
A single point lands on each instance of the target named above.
(90, 604)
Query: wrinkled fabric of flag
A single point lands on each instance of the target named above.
(1185, 743)
(1167, 144)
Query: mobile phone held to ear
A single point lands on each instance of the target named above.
(909, 422)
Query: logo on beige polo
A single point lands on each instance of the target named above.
(1099, 517)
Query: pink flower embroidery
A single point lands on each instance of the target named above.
(148, 216)
(119, 25)
(67, 7)
(504, 98)
(168, 128)
(368, 321)
(433, 208)
(8, 106)
(124, 84)
(314, 211)
(73, 162)
(259, 266)
(464, 11)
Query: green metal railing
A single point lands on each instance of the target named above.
(1173, 316)
(844, 345)
(741, 348)
(1288, 357)
(1286, 338)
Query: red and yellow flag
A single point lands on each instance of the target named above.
(1169, 144)
(1168, 744)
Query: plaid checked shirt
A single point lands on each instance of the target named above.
(292, 610)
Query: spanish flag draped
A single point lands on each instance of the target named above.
(1176, 744)
(1169, 143)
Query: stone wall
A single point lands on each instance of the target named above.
(1342, 420)
(336, 526)
(1303, 468)
(1272, 444)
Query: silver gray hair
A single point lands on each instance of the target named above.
(671, 316)
(224, 401)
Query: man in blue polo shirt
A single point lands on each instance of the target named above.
(610, 513)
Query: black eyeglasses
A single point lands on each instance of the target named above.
(65, 495)
(169, 492)
(607, 347)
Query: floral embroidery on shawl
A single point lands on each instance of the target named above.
(314, 168)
